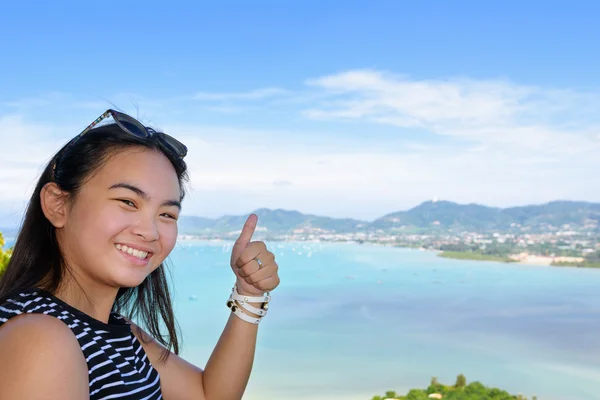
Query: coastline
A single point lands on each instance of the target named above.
(521, 258)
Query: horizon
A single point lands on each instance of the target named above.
(183, 215)
(333, 120)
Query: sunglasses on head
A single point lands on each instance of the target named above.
(133, 127)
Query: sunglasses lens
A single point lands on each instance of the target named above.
(175, 145)
(130, 124)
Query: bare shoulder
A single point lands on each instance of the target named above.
(40, 357)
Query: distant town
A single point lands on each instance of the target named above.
(563, 246)
(452, 230)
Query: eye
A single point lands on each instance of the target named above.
(128, 202)
(170, 216)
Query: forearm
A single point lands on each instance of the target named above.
(228, 369)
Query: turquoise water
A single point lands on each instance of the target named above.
(351, 321)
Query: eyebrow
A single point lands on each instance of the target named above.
(144, 195)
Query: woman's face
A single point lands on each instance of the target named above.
(123, 223)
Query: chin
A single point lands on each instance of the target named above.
(127, 275)
(129, 279)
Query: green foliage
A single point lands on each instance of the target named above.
(469, 255)
(416, 394)
(4, 255)
(585, 264)
(461, 381)
(459, 391)
(435, 386)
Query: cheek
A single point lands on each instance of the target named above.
(102, 224)
(111, 222)
(168, 238)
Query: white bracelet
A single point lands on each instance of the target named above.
(242, 302)
(261, 312)
(236, 310)
(246, 317)
(258, 311)
(249, 299)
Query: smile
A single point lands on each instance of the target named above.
(132, 252)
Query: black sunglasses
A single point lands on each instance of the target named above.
(133, 127)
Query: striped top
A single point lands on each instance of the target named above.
(117, 364)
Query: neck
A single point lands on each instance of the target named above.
(93, 299)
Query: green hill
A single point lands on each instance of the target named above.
(473, 217)
(444, 214)
(430, 215)
(277, 220)
(459, 391)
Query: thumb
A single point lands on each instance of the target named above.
(247, 232)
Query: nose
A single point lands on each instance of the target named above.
(146, 228)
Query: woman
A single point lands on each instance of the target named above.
(89, 258)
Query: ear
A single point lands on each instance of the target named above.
(54, 204)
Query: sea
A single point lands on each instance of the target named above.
(351, 321)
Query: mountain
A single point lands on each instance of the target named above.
(444, 214)
(557, 213)
(430, 215)
(277, 220)
(474, 217)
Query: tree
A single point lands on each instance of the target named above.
(4, 255)
(476, 388)
(461, 381)
(416, 394)
(390, 394)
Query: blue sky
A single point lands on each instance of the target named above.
(340, 108)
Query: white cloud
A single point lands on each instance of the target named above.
(490, 142)
(27, 148)
(496, 112)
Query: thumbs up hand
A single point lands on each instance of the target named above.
(253, 265)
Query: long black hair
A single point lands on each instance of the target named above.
(37, 260)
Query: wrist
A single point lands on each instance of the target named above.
(242, 289)
(248, 305)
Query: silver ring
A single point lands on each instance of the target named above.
(260, 264)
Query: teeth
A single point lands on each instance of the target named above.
(132, 252)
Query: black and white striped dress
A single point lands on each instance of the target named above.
(117, 364)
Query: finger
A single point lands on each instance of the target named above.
(262, 274)
(247, 232)
(268, 283)
(252, 251)
(248, 269)
(252, 265)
